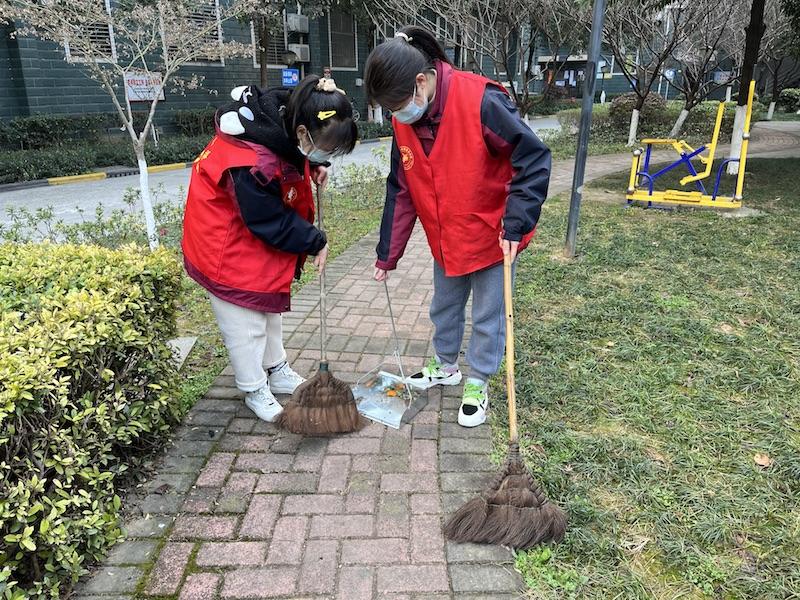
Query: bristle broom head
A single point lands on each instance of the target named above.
(513, 512)
(321, 406)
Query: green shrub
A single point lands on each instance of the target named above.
(42, 131)
(86, 385)
(176, 149)
(26, 165)
(195, 122)
(602, 128)
(622, 106)
(789, 99)
(371, 131)
(551, 106)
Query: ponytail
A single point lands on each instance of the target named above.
(393, 66)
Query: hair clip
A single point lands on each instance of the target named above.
(325, 114)
(403, 36)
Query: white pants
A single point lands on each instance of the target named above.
(254, 341)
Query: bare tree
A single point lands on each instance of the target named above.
(778, 48)
(708, 43)
(642, 35)
(153, 40)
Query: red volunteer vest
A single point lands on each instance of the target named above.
(460, 190)
(220, 252)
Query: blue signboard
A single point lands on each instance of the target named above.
(291, 77)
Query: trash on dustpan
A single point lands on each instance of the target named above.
(382, 397)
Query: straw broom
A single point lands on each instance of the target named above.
(323, 405)
(514, 510)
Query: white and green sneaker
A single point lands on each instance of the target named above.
(474, 403)
(435, 373)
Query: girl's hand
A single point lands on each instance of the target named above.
(380, 274)
(509, 247)
(321, 258)
(320, 176)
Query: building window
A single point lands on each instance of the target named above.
(100, 36)
(206, 31)
(276, 46)
(342, 40)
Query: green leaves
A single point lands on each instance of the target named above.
(82, 348)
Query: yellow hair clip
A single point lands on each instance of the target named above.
(325, 114)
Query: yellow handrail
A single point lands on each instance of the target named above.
(712, 148)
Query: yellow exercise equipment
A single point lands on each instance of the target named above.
(640, 169)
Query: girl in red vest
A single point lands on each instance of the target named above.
(475, 175)
(248, 225)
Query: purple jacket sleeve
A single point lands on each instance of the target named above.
(506, 134)
(399, 216)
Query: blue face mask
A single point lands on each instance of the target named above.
(316, 155)
(411, 112)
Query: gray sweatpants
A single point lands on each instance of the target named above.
(448, 313)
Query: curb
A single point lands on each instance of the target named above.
(375, 140)
(97, 176)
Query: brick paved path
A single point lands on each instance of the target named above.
(241, 510)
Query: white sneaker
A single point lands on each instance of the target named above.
(283, 380)
(434, 373)
(474, 404)
(263, 403)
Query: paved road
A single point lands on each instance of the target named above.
(66, 200)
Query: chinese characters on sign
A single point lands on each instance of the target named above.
(142, 87)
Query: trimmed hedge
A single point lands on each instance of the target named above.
(789, 99)
(74, 159)
(195, 122)
(610, 122)
(86, 384)
(371, 131)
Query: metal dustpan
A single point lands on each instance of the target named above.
(384, 397)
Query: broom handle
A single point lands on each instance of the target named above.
(323, 334)
(512, 395)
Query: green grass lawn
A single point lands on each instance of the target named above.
(659, 383)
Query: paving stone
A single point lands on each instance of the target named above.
(200, 586)
(205, 433)
(452, 501)
(358, 446)
(408, 482)
(195, 527)
(425, 432)
(200, 500)
(356, 583)
(240, 483)
(394, 463)
(167, 504)
(334, 475)
(318, 573)
(264, 463)
(342, 526)
(309, 455)
(231, 503)
(228, 405)
(167, 573)
(131, 552)
(478, 553)
(427, 542)
(454, 430)
(395, 442)
(261, 582)
(201, 417)
(240, 425)
(282, 552)
(148, 526)
(195, 448)
(245, 443)
(260, 518)
(287, 483)
(231, 554)
(112, 580)
(465, 482)
(484, 578)
(393, 516)
(313, 504)
(465, 463)
(170, 482)
(375, 551)
(174, 463)
(288, 443)
(216, 470)
(423, 456)
(413, 578)
(465, 446)
(426, 504)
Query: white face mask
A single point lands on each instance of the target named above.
(411, 112)
(316, 155)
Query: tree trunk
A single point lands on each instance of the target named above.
(144, 194)
(634, 128)
(753, 34)
(771, 111)
(676, 129)
(263, 41)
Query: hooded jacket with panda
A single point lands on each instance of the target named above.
(249, 210)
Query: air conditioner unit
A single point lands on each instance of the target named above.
(302, 51)
(297, 23)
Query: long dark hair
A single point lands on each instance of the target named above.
(393, 65)
(305, 106)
